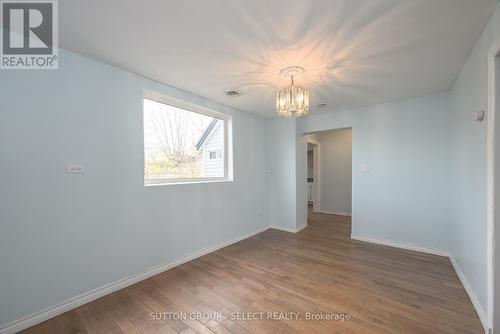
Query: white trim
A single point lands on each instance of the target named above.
(490, 181)
(67, 305)
(312, 141)
(169, 182)
(72, 303)
(182, 104)
(396, 244)
(301, 227)
(227, 154)
(289, 229)
(472, 296)
(317, 176)
(284, 229)
(334, 212)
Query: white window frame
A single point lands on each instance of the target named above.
(228, 156)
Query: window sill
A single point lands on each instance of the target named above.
(171, 183)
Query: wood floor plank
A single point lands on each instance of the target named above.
(320, 271)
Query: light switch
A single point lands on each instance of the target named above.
(75, 169)
(365, 168)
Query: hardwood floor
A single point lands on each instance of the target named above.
(320, 271)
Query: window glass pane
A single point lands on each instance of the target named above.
(178, 143)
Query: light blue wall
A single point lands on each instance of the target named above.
(281, 168)
(62, 235)
(469, 94)
(300, 178)
(406, 195)
(336, 171)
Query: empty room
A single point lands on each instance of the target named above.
(217, 166)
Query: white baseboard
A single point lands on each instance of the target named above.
(390, 243)
(333, 212)
(284, 229)
(289, 229)
(50, 312)
(67, 305)
(470, 292)
(441, 252)
(301, 227)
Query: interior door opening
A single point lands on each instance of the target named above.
(313, 176)
(329, 172)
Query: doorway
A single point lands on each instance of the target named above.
(329, 172)
(313, 176)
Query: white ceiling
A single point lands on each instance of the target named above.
(355, 52)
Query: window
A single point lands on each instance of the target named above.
(183, 143)
(215, 154)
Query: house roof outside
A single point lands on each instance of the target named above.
(206, 133)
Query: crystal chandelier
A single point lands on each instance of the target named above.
(292, 101)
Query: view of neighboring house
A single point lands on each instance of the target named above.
(211, 144)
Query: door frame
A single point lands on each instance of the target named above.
(493, 172)
(317, 173)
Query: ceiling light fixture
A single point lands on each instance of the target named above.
(292, 101)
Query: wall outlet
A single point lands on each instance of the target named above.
(365, 168)
(75, 169)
